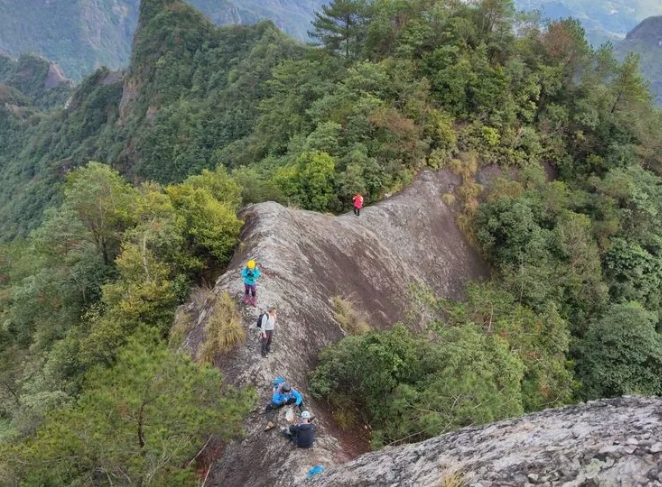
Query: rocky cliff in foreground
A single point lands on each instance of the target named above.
(605, 443)
(308, 258)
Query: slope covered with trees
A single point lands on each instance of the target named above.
(84, 35)
(89, 388)
(32, 81)
(571, 226)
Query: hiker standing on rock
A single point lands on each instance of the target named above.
(358, 203)
(250, 274)
(267, 326)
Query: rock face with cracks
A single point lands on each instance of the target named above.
(306, 259)
(608, 443)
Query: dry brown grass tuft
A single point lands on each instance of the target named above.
(469, 190)
(452, 478)
(448, 198)
(466, 166)
(224, 329)
(351, 321)
(201, 295)
(344, 418)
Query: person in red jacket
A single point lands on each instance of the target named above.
(358, 204)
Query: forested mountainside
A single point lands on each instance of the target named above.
(32, 82)
(556, 149)
(83, 35)
(604, 20)
(646, 41)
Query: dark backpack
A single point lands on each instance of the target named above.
(259, 319)
(250, 274)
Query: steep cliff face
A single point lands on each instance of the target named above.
(307, 258)
(603, 443)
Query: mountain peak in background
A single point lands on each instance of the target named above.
(645, 40)
(85, 35)
(649, 31)
(605, 20)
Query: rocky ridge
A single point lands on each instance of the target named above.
(411, 238)
(308, 258)
(605, 443)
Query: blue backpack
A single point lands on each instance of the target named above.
(316, 470)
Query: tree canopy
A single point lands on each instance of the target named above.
(557, 151)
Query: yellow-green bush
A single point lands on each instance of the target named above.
(351, 320)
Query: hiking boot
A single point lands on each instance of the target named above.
(246, 300)
(269, 426)
(254, 301)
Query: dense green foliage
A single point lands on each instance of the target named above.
(29, 82)
(486, 359)
(83, 35)
(87, 302)
(621, 353)
(216, 118)
(194, 89)
(411, 387)
(135, 424)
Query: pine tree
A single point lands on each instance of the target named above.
(340, 27)
(141, 422)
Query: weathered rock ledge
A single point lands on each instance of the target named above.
(605, 443)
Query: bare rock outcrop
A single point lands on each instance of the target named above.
(55, 77)
(308, 258)
(608, 443)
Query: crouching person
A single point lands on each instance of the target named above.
(302, 434)
(283, 395)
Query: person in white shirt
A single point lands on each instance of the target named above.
(267, 329)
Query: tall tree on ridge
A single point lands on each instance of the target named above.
(340, 27)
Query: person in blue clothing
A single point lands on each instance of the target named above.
(250, 275)
(283, 395)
